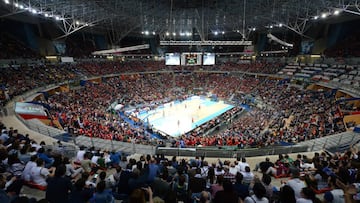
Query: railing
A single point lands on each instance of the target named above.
(230, 152)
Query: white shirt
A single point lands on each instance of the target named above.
(254, 199)
(94, 159)
(233, 170)
(39, 175)
(297, 185)
(242, 166)
(26, 174)
(80, 155)
(248, 177)
(302, 200)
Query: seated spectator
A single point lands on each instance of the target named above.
(307, 196)
(227, 194)
(39, 173)
(26, 174)
(47, 160)
(286, 195)
(138, 195)
(4, 198)
(241, 189)
(71, 172)
(336, 194)
(101, 195)
(296, 183)
(258, 196)
(58, 187)
(248, 175)
(80, 193)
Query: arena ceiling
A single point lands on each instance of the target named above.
(176, 19)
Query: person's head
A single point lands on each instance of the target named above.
(287, 194)
(308, 193)
(239, 177)
(41, 150)
(39, 162)
(259, 190)
(247, 169)
(267, 159)
(137, 196)
(80, 184)
(204, 197)
(102, 175)
(227, 185)
(295, 173)
(60, 170)
(100, 187)
(66, 160)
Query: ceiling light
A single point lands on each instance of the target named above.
(7, 1)
(21, 6)
(77, 22)
(33, 11)
(167, 33)
(254, 29)
(316, 17)
(280, 24)
(174, 33)
(336, 12)
(57, 18)
(46, 15)
(146, 32)
(16, 5)
(222, 32)
(271, 26)
(216, 33)
(142, 32)
(153, 33)
(323, 15)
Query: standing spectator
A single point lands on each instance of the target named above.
(241, 189)
(335, 195)
(58, 187)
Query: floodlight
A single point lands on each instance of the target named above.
(33, 11)
(153, 33)
(336, 12)
(271, 26)
(77, 22)
(167, 33)
(316, 17)
(222, 32)
(7, 1)
(280, 24)
(142, 32)
(21, 6)
(16, 5)
(174, 33)
(57, 18)
(216, 33)
(254, 29)
(323, 15)
(146, 32)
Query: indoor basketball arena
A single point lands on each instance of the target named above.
(192, 101)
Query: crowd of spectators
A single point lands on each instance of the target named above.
(96, 175)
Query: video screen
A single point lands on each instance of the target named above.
(191, 59)
(208, 59)
(172, 59)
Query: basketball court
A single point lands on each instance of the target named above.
(176, 118)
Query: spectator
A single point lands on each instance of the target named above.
(258, 196)
(287, 195)
(296, 184)
(39, 174)
(58, 187)
(227, 194)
